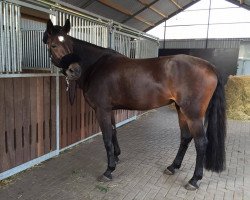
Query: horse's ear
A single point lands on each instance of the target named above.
(50, 27)
(66, 27)
(45, 37)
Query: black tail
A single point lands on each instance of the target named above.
(216, 130)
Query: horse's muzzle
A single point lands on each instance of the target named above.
(74, 71)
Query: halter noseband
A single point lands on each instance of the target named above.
(65, 62)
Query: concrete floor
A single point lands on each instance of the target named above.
(148, 145)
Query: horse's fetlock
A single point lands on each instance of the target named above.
(111, 168)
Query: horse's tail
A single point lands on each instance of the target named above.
(216, 130)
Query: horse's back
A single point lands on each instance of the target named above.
(151, 83)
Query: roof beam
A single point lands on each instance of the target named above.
(238, 3)
(123, 10)
(153, 8)
(139, 11)
(175, 3)
(173, 14)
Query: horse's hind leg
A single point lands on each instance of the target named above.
(117, 150)
(185, 140)
(104, 119)
(197, 131)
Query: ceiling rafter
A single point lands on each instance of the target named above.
(123, 10)
(175, 3)
(139, 11)
(152, 8)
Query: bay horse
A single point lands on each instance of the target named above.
(110, 81)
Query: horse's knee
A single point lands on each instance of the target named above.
(108, 145)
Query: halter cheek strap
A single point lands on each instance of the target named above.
(68, 59)
(65, 62)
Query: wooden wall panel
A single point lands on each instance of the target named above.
(33, 118)
(53, 113)
(26, 116)
(47, 110)
(18, 120)
(82, 115)
(4, 158)
(63, 113)
(28, 120)
(9, 120)
(40, 116)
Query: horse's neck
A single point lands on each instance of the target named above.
(88, 53)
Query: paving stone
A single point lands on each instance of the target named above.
(148, 146)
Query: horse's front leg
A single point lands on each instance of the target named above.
(117, 150)
(104, 119)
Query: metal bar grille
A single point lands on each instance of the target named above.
(84, 29)
(35, 54)
(10, 59)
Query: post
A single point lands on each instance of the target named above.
(55, 21)
(208, 23)
(111, 38)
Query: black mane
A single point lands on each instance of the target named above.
(87, 44)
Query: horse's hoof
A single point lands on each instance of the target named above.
(104, 179)
(169, 171)
(188, 186)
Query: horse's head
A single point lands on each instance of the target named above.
(60, 46)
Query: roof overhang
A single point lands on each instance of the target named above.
(140, 14)
(241, 3)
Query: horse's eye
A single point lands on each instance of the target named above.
(53, 46)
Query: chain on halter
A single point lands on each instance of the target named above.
(67, 81)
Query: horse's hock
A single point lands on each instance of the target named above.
(238, 97)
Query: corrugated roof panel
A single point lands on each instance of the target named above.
(241, 3)
(106, 11)
(136, 24)
(183, 3)
(152, 12)
(184, 44)
(147, 1)
(166, 7)
(150, 16)
(131, 5)
(77, 3)
(201, 43)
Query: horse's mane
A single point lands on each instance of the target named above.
(87, 44)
